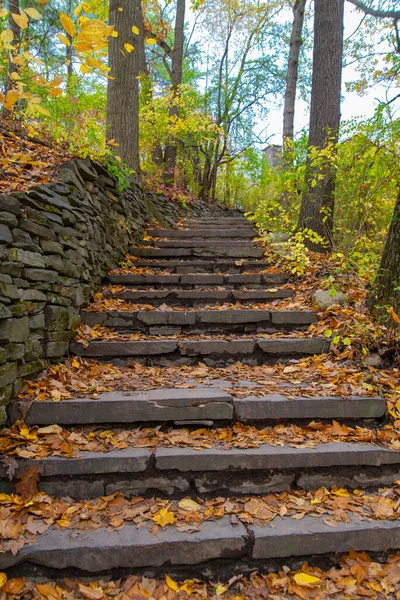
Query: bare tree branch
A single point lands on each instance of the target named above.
(381, 14)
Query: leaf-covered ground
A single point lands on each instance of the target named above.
(24, 162)
(30, 513)
(53, 440)
(357, 578)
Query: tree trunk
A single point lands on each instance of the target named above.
(387, 286)
(13, 6)
(176, 81)
(317, 205)
(123, 89)
(296, 42)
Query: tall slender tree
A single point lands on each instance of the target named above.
(123, 86)
(176, 82)
(317, 205)
(296, 41)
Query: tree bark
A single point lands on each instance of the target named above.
(296, 42)
(13, 6)
(123, 88)
(387, 286)
(176, 81)
(317, 205)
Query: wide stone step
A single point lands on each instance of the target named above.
(199, 297)
(190, 253)
(212, 351)
(200, 279)
(172, 551)
(229, 223)
(225, 244)
(168, 405)
(162, 322)
(203, 266)
(212, 471)
(201, 233)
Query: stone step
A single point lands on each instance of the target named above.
(190, 253)
(162, 322)
(167, 405)
(203, 266)
(201, 233)
(199, 297)
(220, 542)
(213, 471)
(212, 351)
(199, 279)
(229, 223)
(226, 244)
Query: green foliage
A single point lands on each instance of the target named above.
(367, 171)
(75, 120)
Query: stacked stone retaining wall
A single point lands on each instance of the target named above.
(57, 241)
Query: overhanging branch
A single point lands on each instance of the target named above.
(380, 14)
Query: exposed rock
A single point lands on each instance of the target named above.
(325, 299)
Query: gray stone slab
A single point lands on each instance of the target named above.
(132, 547)
(128, 460)
(274, 278)
(138, 487)
(200, 233)
(121, 348)
(157, 317)
(147, 295)
(275, 457)
(131, 407)
(203, 347)
(280, 407)
(309, 535)
(293, 317)
(202, 279)
(261, 294)
(294, 346)
(143, 279)
(244, 278)
(210, 243)
(243, 484)
(200, 295)
(160, 252)
(232, 316)
(73, 488)
(251, 252)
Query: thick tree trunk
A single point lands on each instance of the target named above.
(318, 201)
(296, 42)
(123, 88)
(387, 286)
(176, 81)
(13, 6)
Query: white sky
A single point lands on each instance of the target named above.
(353, 105)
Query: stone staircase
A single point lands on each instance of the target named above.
(192, 272)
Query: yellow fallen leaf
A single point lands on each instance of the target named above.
(221, 589)
(164, 517)
(63, 522)
(3, 580)
(135, 30)
(116, 522)
(342, 492)
(188, 504)
(306, 580)
(171, 583)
